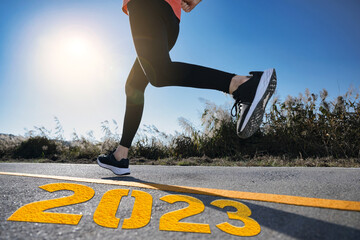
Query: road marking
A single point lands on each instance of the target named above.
(105, 213)
(264, 197)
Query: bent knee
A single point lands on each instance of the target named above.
(156, 72)
(158, 78)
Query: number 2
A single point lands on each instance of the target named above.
(141, 214)
(170, 221)
(34, 212)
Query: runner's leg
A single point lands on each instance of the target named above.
(135, 87)
(155, 30)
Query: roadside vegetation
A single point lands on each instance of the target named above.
(307, 130)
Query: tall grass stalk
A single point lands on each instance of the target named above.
(306, 126)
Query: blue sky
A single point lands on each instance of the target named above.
(70, 59)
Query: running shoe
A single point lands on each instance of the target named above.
(249, 112)
(118, 167)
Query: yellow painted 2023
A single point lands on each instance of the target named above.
(104, 214)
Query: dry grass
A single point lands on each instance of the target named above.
(301, 131)
(264, 161)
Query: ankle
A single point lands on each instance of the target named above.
(236, 81)
(121, 152)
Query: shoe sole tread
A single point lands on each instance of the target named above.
(257, 112)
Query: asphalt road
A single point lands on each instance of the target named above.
(275, 221)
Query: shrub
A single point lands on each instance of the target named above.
(36, 147)
(304, 126)
(184, 146)
(83, 148)
(8, 144)
(148, 148)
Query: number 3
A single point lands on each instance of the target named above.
(251, 227)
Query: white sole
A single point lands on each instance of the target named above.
(263, 94)
(117, 171)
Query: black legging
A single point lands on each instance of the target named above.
(155, 29)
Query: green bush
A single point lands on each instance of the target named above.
(183, 147)
(82, 148)
(148, 148)
(36, 147)
(8, 144)
(304, 126)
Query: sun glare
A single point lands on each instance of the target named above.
(71, 62)
(77, 46)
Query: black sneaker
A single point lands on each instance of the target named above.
(118, 167)
(250, 111)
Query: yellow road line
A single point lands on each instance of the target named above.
(265, 197)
